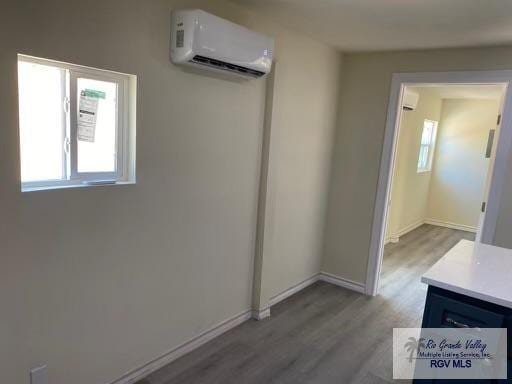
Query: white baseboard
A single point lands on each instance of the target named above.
(322, 276)
(447, 224)
(395, 237)
(391, 239)
(342, 282)
(296, 288)
(175, 353)
(261, 314)
(153, 365)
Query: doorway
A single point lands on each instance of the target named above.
(416, 155)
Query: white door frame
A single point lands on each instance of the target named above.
(504, 148)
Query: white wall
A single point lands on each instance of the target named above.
(460, 167)
(410, 189)
(366, 80)
(96, 281)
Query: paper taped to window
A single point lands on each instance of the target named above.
(87, 114)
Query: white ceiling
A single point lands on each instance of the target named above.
(491, 92)
(369, 25)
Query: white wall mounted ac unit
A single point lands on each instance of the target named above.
(411, 99)
(206, 41)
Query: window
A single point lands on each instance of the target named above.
(428, 142)
(76, 125)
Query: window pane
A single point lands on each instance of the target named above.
(423, 158)
(97, 149)
(427, 133)
(42, 121)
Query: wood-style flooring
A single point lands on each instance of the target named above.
(323, 334)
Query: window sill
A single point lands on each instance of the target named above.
(68, 186)
(423, 171)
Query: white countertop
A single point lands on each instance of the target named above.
(477, 270)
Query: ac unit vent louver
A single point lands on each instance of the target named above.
(226, 66)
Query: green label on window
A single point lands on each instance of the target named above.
(93, 93)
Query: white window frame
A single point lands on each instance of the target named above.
(125, 128)
(430, 146)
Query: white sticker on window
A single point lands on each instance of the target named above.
(88, 113)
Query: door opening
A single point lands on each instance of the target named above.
(428, 168)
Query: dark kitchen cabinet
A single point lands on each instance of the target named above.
(446, 309)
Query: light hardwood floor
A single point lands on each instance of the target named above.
(323, 334)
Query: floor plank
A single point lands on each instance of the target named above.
(323, 334)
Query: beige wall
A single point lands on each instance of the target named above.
(460, 167)
(305, 118)
(301, 128)
(365, 91)
(97, 281)
(410, 189)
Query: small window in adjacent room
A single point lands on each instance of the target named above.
(77, 125)
(428, 141)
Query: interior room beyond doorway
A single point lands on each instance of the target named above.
(443, 157)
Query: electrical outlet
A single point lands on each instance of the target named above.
(38, 375)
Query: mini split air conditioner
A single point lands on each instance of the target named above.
(206, 41)
(411, 99)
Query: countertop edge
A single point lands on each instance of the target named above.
(466, 292)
